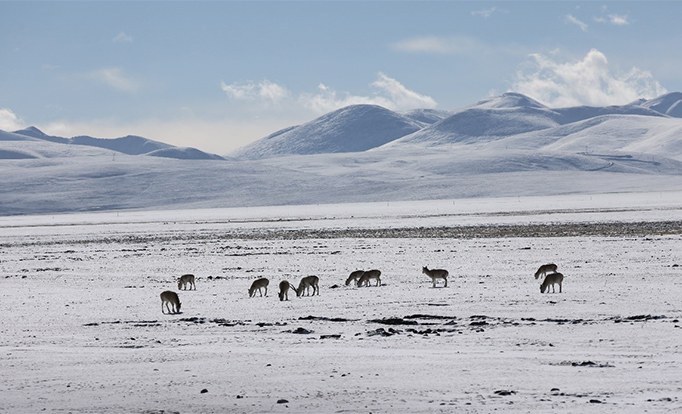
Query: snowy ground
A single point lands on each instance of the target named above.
(83, 331)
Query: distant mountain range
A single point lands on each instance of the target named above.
(131, 145)
(510, 117)
(509, 145)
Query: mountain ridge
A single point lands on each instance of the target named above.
(129, 144)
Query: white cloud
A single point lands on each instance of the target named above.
(122, 37)
(453, 45)
(401, 97)
(589, 81)
(390, 94)
(9, 121)
(614, 19)
(618, 20)
(573, 20)
(486, 13)
(114, 78)
(250, 91)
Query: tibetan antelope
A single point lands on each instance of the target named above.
(368, 276)
(306, 283)
(354, 277)
(544, 269)
(185, 281)
(257, 285)
(551, 280)
(170, 298)
(284, 287)
(436, 274)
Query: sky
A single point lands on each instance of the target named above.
(218, 75)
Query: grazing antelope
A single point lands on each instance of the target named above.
(284, 287)
(544, 269)
(306, 283)
(551, 280)
(354, 277)
(258, 284)
(186, 280)
(368, 276)
(435, 274)
(170, 298)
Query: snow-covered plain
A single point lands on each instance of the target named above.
(82, 330)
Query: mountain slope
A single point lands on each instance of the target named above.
(477, 125)
(668, 104)
(350, 129)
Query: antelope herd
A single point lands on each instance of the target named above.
(309, 285)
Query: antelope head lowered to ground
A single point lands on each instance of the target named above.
(551, 280)
(259, 284)
(284, 287)
(368, 276)
(185, 281)
(170, 299)
(307, 283)
(354, 276)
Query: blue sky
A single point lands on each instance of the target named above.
(217, 75)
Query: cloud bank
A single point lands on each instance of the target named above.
(588, 81)
(388, 92)
(9, 121)
(251, 91)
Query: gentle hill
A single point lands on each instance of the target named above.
(351, 129)
(184, 153)
(131, 144)
(508, 100)
(477, 125)
(581, 113)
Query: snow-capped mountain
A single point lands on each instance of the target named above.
(131, 145)
(668, 104)
(351, 129)
(508, 145)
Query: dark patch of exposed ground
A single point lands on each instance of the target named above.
(580, 229)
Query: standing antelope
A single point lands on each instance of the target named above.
(306, 283)
(258, 284)
(186, 280)
(284, 287)
(550, 280)
(435, 274)
(354, 277)
(170, 298)
(368, 276)
(544, 269)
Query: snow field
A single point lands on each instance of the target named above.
(83, 331)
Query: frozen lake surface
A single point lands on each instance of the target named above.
(82, 329)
